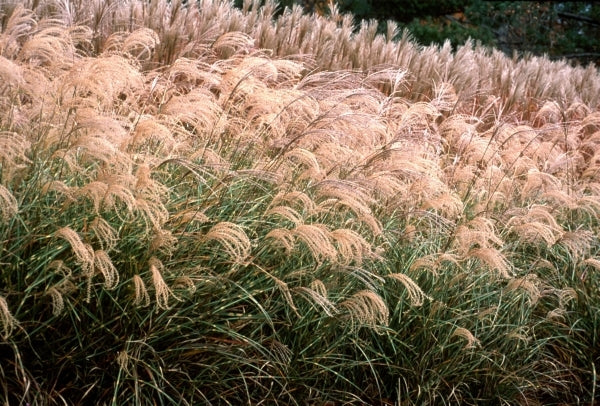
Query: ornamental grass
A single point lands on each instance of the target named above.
(208, 205)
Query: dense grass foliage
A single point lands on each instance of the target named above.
(205, 205)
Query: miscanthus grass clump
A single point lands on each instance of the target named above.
(204, 205)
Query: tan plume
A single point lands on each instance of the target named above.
(7, 320)
(162, 291)
(366, 307)
(233, 239)
(83, 252)
(415, 294)
(142, 298)
(472, 341)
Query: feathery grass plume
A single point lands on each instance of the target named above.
(249, 74)
(492, 258)
(197, 110)
(8, 204)
(391, 82)
(564, 199)
(410, 233)
(104, 265)
(370, 279)
(318, 240)
(577, 111)
(286, 212)
(447, 203)
(549, 113)
(318, 286)
(433, 262)
(565, 165)
(61, 189)
(534, 225)
(95, 191)
(415, 294)
(351, 246)
(233, 239)
(588, 148)
(140, 43)
(366, 307)
(111, 126)
(14, 91)
(316, 294)
(418, 117)
(284, 237)
(104, 233)
(460, 137)
(283, 288)
(566, 295)
(516, 141)
(590, 173)
(335, 48)
(154, 212)
(410, 164)
(389, 188)
(557, 315)
(59, 266)
(58, 303)
(188, 217)
(519, 334)
(161, 289)
(282, 116)
(163, 241)
(349, 194)
(232, 43)
(90, 148)
(472, 341)
(82, 251)
(477, 232)
(578, 243)
(478, 150)
(589, 205)
(422, 139)
(336, 158)
(428, 262)
(187, 73)
(11, 74)
(298, 199)
(496, 188)
(108, 189)
(592, 262)
(16, 27)
(185, 282)
(123, 360)
(591, 123)
(304, 158)
(445, 98)
(13, 150)
(153, 137)
(142, 298)
(530, 284)
(7, 320)
(144, 184)
(51, 47)
(100, 82)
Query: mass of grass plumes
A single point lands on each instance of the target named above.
(207, 205)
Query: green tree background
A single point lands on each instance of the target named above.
(558, 29)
